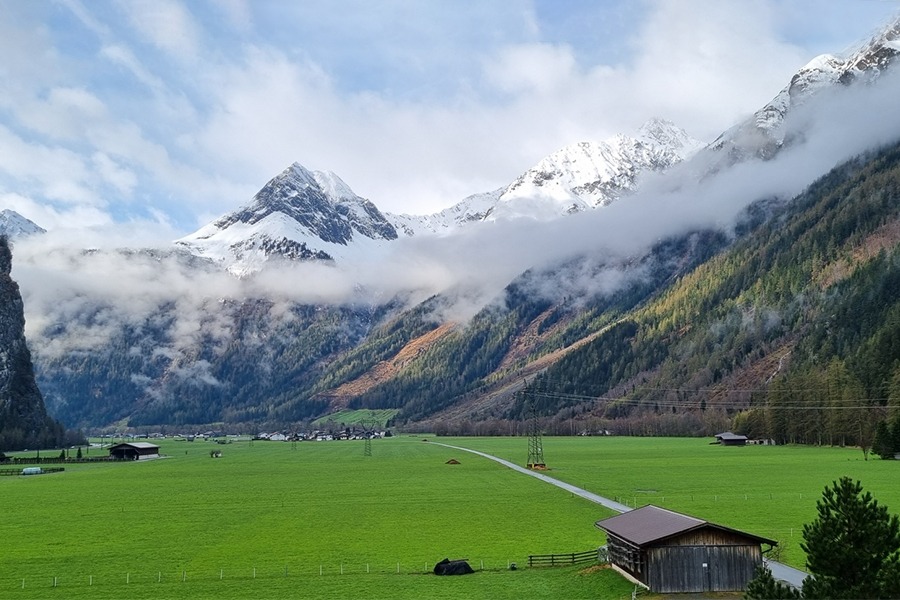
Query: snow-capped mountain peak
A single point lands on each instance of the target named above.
(13, 225)
(298, 215)
(578, 177)
(591, 174)
(333, 186)
(762, 134)
(666, 136)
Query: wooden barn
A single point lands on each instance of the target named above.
(134, 451)
(672, 553)
(731, 439)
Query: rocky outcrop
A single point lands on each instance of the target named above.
(23, 416)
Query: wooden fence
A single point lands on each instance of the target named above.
(558, 560)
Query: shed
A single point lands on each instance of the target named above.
(134, 451)
(670, 552)
(731, 439)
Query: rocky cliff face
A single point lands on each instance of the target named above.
(23, 416)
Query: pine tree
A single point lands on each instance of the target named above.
(765, 587)
(852, 547)
(883, 445)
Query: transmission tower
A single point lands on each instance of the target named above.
(368, 432)
(535, 442)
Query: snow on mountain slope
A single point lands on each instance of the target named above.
(762, 135)
(298, 215)
(472, 209)
(13, 225)
(304, 215)
(576, 178)
(592, 174)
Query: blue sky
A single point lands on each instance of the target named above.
(164, 114)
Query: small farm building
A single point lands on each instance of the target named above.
(134, 451)
(672, 553)
(731, 439)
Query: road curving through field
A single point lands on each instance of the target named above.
(779, 570)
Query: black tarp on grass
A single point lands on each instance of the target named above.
(452, 567)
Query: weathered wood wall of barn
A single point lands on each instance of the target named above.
(701, 568)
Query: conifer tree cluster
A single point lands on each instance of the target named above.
(852, 550)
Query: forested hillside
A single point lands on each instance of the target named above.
(786, 327)
(794, 332)
(246, 362)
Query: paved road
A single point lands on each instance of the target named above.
(779, 570)
(611, 504)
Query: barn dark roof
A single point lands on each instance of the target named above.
(649, 524)
(136, 445)
(730, 436)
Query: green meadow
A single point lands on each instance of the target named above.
(359, 417)
(767, 490)
(275, 519)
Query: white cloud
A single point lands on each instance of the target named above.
(60, 282)
(706, 64)
(165, 23)
(540, 68)
(414, 106)
(124, 57)
(121, 178)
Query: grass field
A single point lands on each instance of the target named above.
(313, 519)
(361, 416)
(767, 490)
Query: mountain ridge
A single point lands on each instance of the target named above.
(705, 307)
(314, 215)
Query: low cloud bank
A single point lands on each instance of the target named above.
(77, 299)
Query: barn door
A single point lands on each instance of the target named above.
(707, 570)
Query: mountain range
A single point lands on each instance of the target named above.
(314, 215)
(694, 328)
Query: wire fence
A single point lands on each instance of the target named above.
(641, 498)
(242, 573)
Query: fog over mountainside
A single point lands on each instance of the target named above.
(183, 309)
(482, 260)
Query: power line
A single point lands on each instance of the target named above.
(857, 404)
